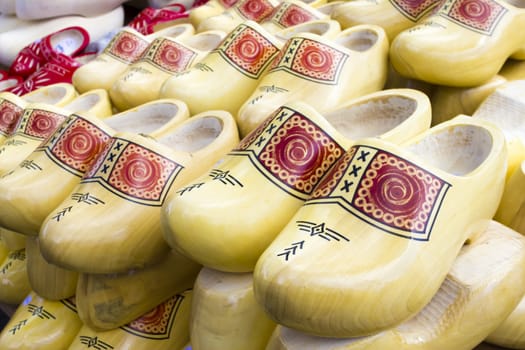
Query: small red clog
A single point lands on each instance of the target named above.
(69, 41)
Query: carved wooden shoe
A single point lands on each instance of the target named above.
(241, 11)
(165, 327)
(327, 28)
(225, 314)
(284, 159)
(42, 324)
(510, 333)
(11, 109)
(394, 16)
(290, 13)
(209, 9)
(511, 210)
(383, 210)
(491, 267)
(323, 72)
(486, 30)
(59, 94)
(241, 59)
(165, 56)
(114, 306)
(126, 47)
(14, 282)
(131, 179)
(48, 174)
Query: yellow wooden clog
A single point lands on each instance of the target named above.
(165, 56)
(467, 41)
(505, 107)
(225, 314)
(59, 94)
(126, 47)
(108, 301)
(241, 60)
(209, 9)
(47, 175)
(510, 333)
(13, 240)
(14, 283)
(323, 72)
(117, 204)
(47, 280)
(41, 324)
(361, 255)
(290, 13)
(11, 109)
(484, 284)
(4, 249)
(393, 16)
(511, 210)
(166, 327)
(283, 159)
(238, 13)
(327, 28)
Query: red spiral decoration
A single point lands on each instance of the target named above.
(43, 124)
(315, 60)
(140, 173)
(397, 193)
(475, 10)
(249, 49)
(81, 145)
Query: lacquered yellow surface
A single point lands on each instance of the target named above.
(214, 220)
(107, 301)
(41, 324)
(365, 275)
(331, 72)
(126, 222)
(465, 49)
(459, 315)
(165, 327)
(14, 282)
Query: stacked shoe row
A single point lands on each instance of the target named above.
(254, 178)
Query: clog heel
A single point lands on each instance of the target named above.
(375, 227)
(165, 327)
(241, 59)
(114, 306)
(41, 324)
(225, 314)
(47, 175)
(165, 56)
(324, 72)
(131, 178)
(458, 317)
(284, 158)
(467, 41)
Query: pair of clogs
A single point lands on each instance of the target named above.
(369, 212)
(323, 66)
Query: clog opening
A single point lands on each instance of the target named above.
(457, 150)
(144, 119)
(51, 95)
(194, 135)
(372, 117)
(68, 41)
(83, 103)
(174, 31)
(358, 41)
(314, 27)
(204, 41)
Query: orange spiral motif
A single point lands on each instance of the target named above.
(249, 49)
(295, 15)
(9, 116)
(475, 10)
(42, 124)
(316, 60)
(140, 173)
(80, 145)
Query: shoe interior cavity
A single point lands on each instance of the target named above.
(372, 117)
(51, 95)
(457, 150)
(194, 135)
(205, 41)
(360, 40)
(314, 27)
(83, 103)
(144, 119)
(67, 41)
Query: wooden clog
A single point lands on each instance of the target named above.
(238, 13)
(165, 56)
(165, 327)
(11, 109)
(393, 16)
(324, 72)
(209, 9)
(510, 333)
(511, 210)
(284, 159)
(467, 41)
(241, 59)
(126, 47)
(360, 256)
(59, 94)
(327, 28)
(225, 314)
(48, 174)
(47, 280)
(459, 316)
(124, 189)
(108, 301)
(14, 283)
(13, 240)
(290, 13)
(41, 324)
